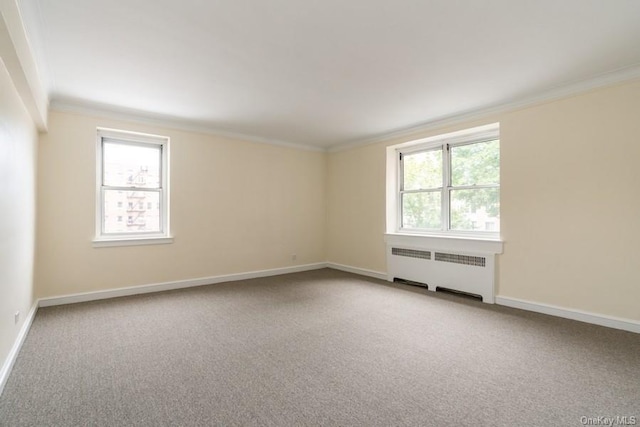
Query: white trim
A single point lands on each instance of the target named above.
(131, 136)
(551, 310)
(133, 290)
(358, 270)
(474, 279)
(142, 117)
(563, 91)
(124, 137)
(445, 243)
(138, 241)
(442, 142)
(179, 284)
(573, 314)
(17, 345)
(470, 135)
(582, 316)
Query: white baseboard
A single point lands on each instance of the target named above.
(17, 345)
(568, 313)
(357, 270)
(179, 284)
(552, 310)
(582, 316)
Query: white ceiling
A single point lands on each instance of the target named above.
(322, 72)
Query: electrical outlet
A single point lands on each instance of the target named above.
(294, 257)
(16, 317)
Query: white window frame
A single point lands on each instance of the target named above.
(395, 177)
(142, 238)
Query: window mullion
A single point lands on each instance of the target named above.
(422, 190)
(399, 193)
(131, 189)
(474, 187)
(446, 187)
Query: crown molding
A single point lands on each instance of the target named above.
(147, 118)
(564, 91)
(576, 88)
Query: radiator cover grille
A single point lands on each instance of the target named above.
(461, 259)
(471, 272)
(412, 253)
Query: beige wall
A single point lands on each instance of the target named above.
(356, 208)
(571, 204)
(236, 207)
(18, 143)
(570, 208)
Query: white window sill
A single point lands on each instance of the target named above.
(445, 242)
(131, 241)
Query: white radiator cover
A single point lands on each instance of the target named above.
(460, 264)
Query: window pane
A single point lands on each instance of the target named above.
(422, 210)
(127, 165)
(422, 170)
(129, 211)
(477, 209)
(475, 164)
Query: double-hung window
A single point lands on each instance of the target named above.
(132, 182)
(450, 185)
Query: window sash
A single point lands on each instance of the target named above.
(122, 142)
(161, 212)
(160, 143)
(402, 213)
(447, 179)
(450, 148)
(438, 150)
(476, 190)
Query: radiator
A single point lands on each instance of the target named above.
(471, 273)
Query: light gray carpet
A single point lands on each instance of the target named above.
(316, 348)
